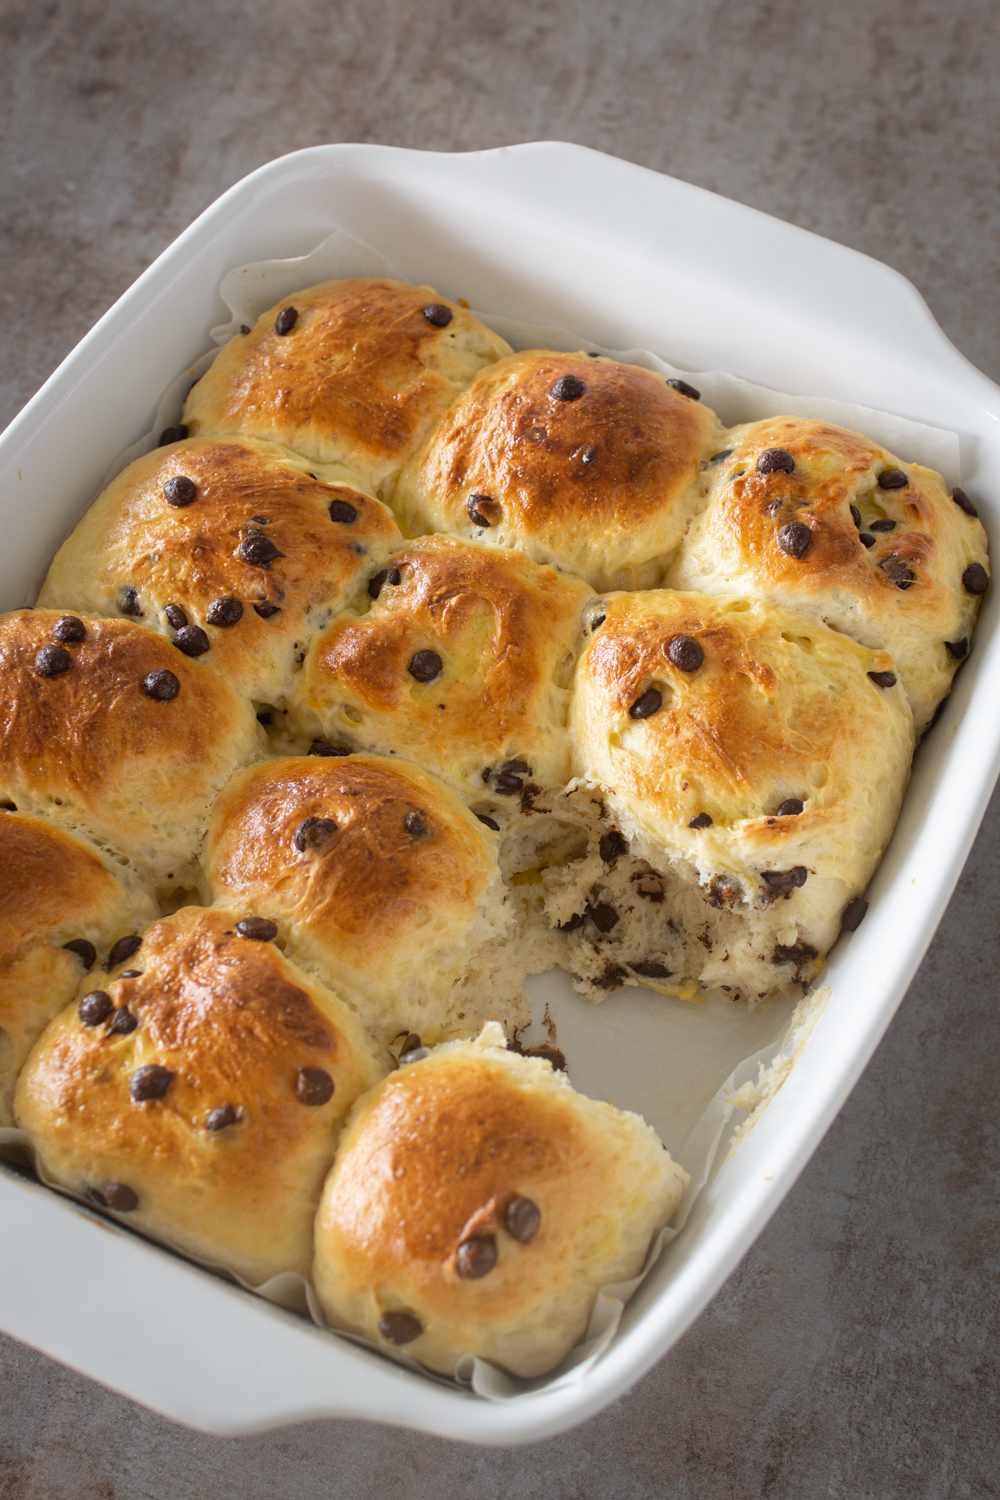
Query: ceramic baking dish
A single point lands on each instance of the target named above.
(546, 233)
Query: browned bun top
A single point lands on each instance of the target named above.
(598, 481)
(462, 663)
(251, 526)
(118, 732)
(356, 379)
(49, 880)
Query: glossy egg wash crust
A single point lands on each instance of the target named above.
(404, 666)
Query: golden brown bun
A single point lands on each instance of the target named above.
(603, 484)
(436, 1155)
(54, 890)
(903, 593)
(377, 875)
(90, 747)
(505, 631)
(234, 1023)
(135, 548)
(357, 381)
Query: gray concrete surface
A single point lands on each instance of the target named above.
(854, 1353)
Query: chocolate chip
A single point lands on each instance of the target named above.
(438, 315)
(123, 1022)
(425, 666)
(892, 479)
(796, 953)
(128, 603)
(650, 969)
(149, 1082)
(123, 949)
(476, 1256)
(163, 686)
(866, 539)
(377, 584)
(567, 388)
(685, 390)
(413, 1054)
(975, 579)
(180, 491)
(483, 510)
(718, 457)
(522, 1219)
(647, 704)
(516, 767)
(507, 784)
(701, 820)
(604, 917)
(575, 921)
(119, 1198)
(313, 1086)
(489, 822)
(69, 629)
(883, 679)
(853, 914)
(225, 611)
(685, 653)
(775, 461)
(415, 824)
(175, 617)
(795, 538)
(963, 502)
(856, 516)
(780, 881)
(883, 525)
(192, 640)
(244, 328)
(790, 808)
(258, 929)
(896, 570)
(265, 717)
(267, 611)
(958, 649)
(259, 551)
(220, 1117)
(612, 846)
(51, 661)
(95, 1007)
(588, 455)
(84, 950)
(597, 622)
(286, 320)
(323, 747)
(399, 1327)
(173, 434)
(343, 511)
(130, 974)
(312, 832)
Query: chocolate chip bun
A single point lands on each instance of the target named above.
(460, 657)
(380, 880)
(590, 464)
(830, 525)
(202, 1097)
(62, 903)
(105, 727)
(349, 372)
(749, 767)
(230, 549)
(476, 1205)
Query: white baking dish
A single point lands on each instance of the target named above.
(556, 234)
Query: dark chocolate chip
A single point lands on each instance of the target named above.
(265, 717)
(597, 622)
(975, 579)
(718, 457)
(286, 320)
(650, 969)
(516, 767)
(84, 950)
(313, 1086)
(476, 1256)
(604, 917)
(790, 808)
(775, 461)
(175, 616)
(180, 491)
(399, 1327)
(856, 516)
(685, 390)
(173, 435)
(522, 1219)
(69, 629)
(123, 1022)
(257, 929)
(883, 679)
(588, 455)
(780, 881)
(612, 846)
(795, 953)
(323, 747)
(483, 510)
(958, 649)
(883, 525)
(892, 479)
(119, 1198)
(95, 1007)
(575, 921)
(130, 974)
(163, 686)
(853, 914)
(866, 539)
(312, 832)
(507, 784)
(685, 653)
(149, 1082)
(51, 661)
(701, 820)
(378, 583)
(963, 502)
(795, 538)
(489, 822)
(425, 666)
(414, 1054)
(244, 328)
(567, 388)
(647, 704)
(123, 949)
(192, 640)
(259, 551)
(225, 611)
(128, 604)
(415, 824)
(438, 315)
(896, 570)
(343, 511)
(220, 1117)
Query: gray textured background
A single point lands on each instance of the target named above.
(854, 1353)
